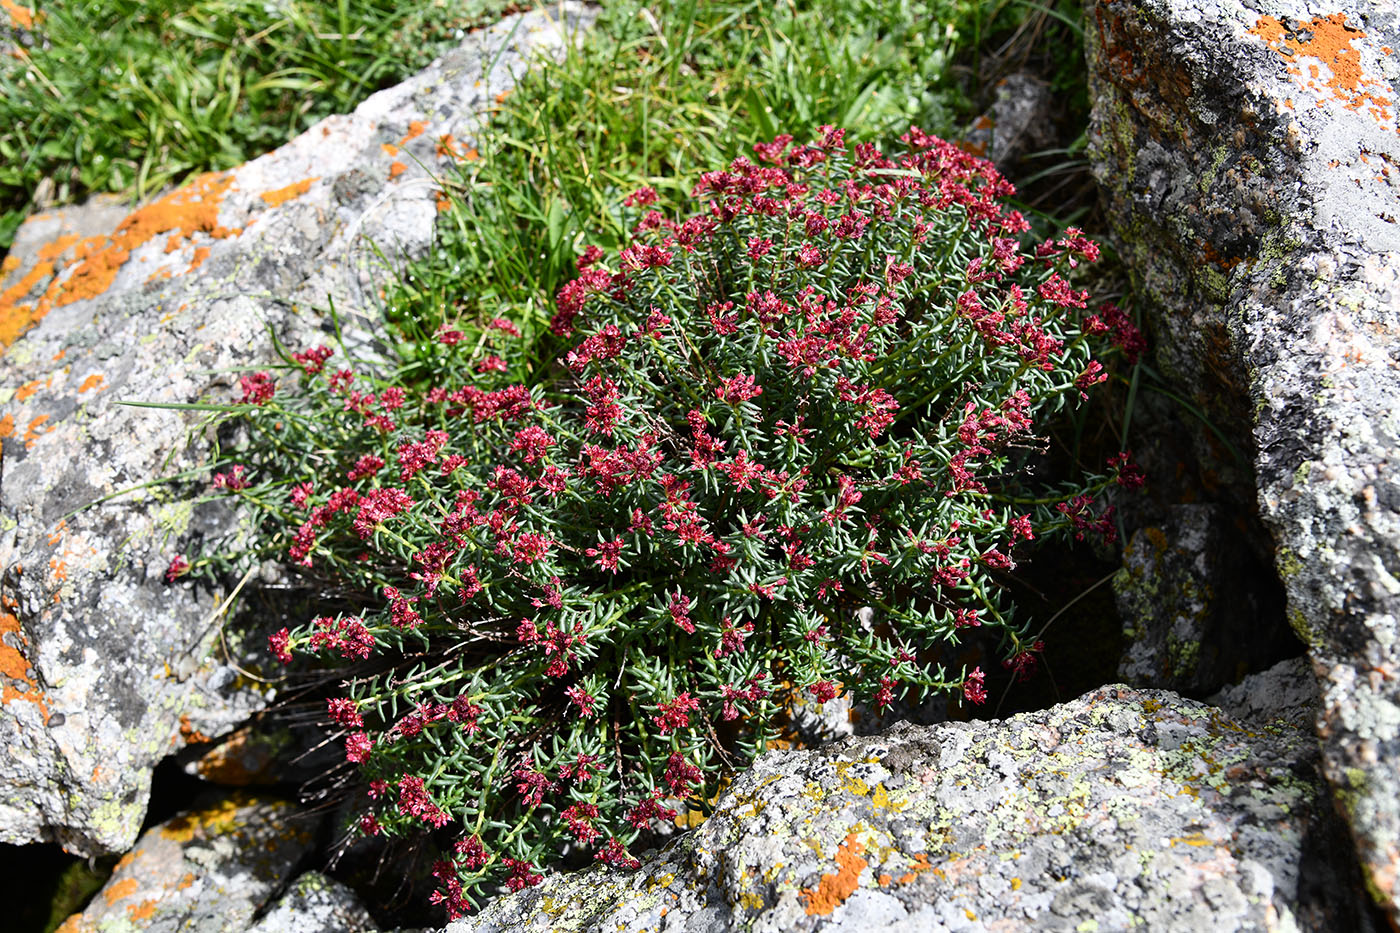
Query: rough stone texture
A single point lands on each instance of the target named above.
(1248, 157)
(1188, 624)
(101, 663)
(316, 904)
(1020, 121)
(263, 753)
(1121, 809)
(211, 870)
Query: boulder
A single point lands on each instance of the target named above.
(316, 904)
(211, 869)
(1250, 167)
(1122, 809)
(104, 668)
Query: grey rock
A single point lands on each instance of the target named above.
(211, 869)
(1188, 624)
(269, 750)
(1286, 690)
(104, 665)
(1249, 159)
(1122, 809)
(316, 904)
(1021, 120)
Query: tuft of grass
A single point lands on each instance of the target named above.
(133, 95)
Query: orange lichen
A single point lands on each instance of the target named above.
(397, 169)
(21, 16)
(35, 430)
(10, 264)
(1328, 39)
(294, 190)
(76, 923)
(7, 426)
(200, 254)
(29, 388)
(921, 865)
(120, 889)
(217, 819)
(390, 149)
(142, 911)
(237, 762)
(415, 129)
(190, 734)
(185, 882)
(17, 318)
(97, 260)
(57, 247)
(100, 259)
(833, 889)
(14, 666)
(190, 210)
(446, 146)
(442, 201)
(57, 534)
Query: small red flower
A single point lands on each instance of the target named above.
(278, 641)
(974, 687)
(257, 388)
(179, 566)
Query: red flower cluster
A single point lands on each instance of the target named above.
(815, 393)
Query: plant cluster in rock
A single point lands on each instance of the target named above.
(595, 593)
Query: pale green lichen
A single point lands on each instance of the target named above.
(1304, 629)
(1287, 562)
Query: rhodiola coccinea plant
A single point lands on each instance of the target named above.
(815, 395)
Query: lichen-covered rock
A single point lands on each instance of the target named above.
(1188, 624)
(1122, 809)
(1249, 158)
(210, 870)
(100, 662)
(316, 904)
(262, 753)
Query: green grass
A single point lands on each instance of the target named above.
(132, 95)
(656, 93)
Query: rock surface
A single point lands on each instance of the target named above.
(211, 870)
(101, 663)
(1250, 160)
(1189, 626)
(316, 904)
(1121, 809)
(1021, 120)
